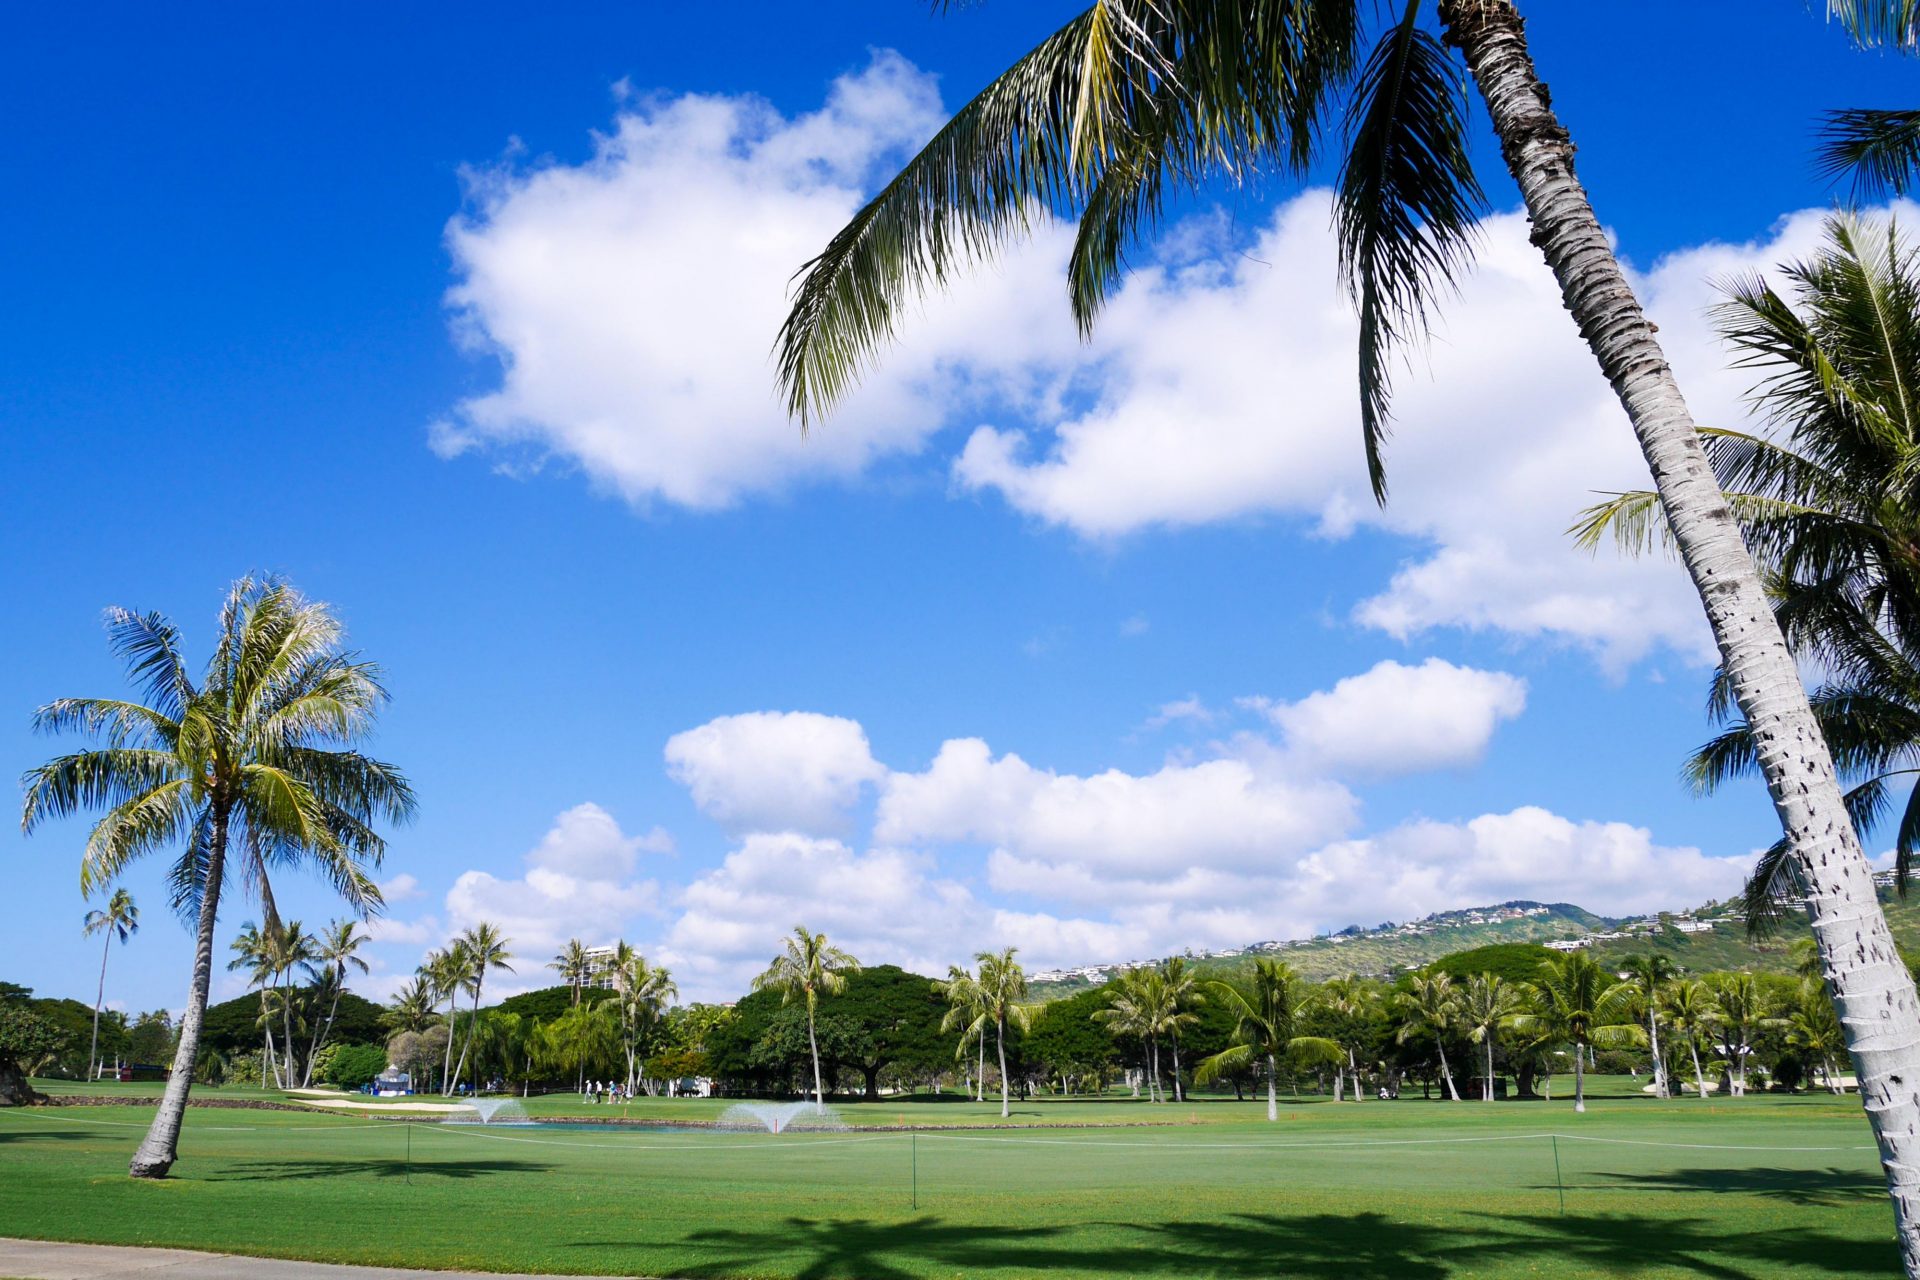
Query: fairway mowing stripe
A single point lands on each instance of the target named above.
(1261, 1144)
(747, 1142)
(1697, 1146)
(206, 1128)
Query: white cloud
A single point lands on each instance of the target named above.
(1398, 719)
(579, 882)
(400, 888)
(775, 770)
(1216, 813)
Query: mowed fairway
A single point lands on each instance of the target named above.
(1760, 1187)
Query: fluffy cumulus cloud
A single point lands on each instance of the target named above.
(1399, 719)
(581, 881)
(775, 770)
(630, 301)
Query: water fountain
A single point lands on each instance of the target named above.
(497, 1111)
(781, 1117)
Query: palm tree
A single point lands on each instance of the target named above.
(1878, 149)
(337, 949)
(1745, 1007)
(573, 964)
(1183, 993)
(251, 952)
(483, 948)
(445, 972)
(1580, 1003)
(1649, 976)
(411, 1009)
(1813, 1027)
(1353, 1003)
(1141, 1007)
(1430, 1006)
(967, 1013)
(806, 969)
(1489, 1004)
(1003, 994)
(1264, 1012)
(1693, 1014)
(289, 947)
(118, 919)
(253, 762)
(1132, 101)
(644, 990)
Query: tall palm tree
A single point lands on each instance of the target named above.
(1141, 1007)
(253, 763)
(289, 948)
(1488, 1005)
(483, 948)
(251, 951)
(1183, 993)
(1353, 1004)
(1133, 101)
(412, 1008)
(573, 965)
(807, 968)
(1649, 976)
(644, 990)
(1265, 1009)
(1430, 1006)
(1745, 1007)
(1003, 995)
(120, 918)
(1813, 1027)
(966, 1013)
(1581, 1004)
(337, 949)
(1694, 1015)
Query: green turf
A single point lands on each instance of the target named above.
(1758, 1187)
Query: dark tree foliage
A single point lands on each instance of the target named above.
(1067, 1044)
(352, 1065)
(549, 1003)
(1514, 961)
(25, 1038)
(886, 1021)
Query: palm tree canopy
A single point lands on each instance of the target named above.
(1265, 1008)
(1577, 1000)
(120, 918)
(807, 968)
(1108, 118)
(261, 739)
(1878, 149)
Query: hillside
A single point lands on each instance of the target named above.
(1709, 937)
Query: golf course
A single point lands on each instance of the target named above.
(1760, 1186)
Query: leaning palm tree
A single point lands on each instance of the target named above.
(1489, 1005)
(118, 919)
(1430, 1006)
(1003, 995)
(1649, 976)
(1264, 1010)
(250, 766)
(1580, 1004)
(807, 968)
(573, 965)
(1694, 1015)
(446, 971)
(967, 1014)
(484, 948)
(337, 950)
(1133, 101)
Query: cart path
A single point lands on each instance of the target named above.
(51, 1260)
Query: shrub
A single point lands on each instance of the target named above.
(352, 1065)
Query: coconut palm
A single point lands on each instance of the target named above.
(1813, 1027)
(1003, 995)
(1694, 1016)
(807, 968)
(1141, 1007)
(1352, 1004)
(1264, 1009)
(644, 991)
(483, 948)
(250, 952)
(445, 972)
(1183, 993)
(1878, 149)
(120, 918)
(249, 768)
(966, 1013)
(1488, 1005)
(1430, 1006)
(337, 949)
(574, 965)
(412, 1008)
(1581, 1004)
(1134, 101)
(1649, 976)
(1745, 1007)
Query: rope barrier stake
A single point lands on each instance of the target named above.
(913, 1147)
(1558, 1185)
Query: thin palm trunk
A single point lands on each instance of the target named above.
(813, 1047)
(1871, 987)
(1000, 1026)
(980, 1076)
(325, 1029)
(1179, 1094)
(473, 1024)
(286, 1023)
(1446, 1072)
(161, 1146)
(453, 1029)
(1579, 1079)
(1353, 1074)
(1273, 1095)
(1660, 1089)
(99, 997)
(1486, 1081)
(1699, 1076)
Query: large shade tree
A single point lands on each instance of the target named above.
(1134, 100)
(250, 767)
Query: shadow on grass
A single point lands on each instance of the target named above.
(1817, 1187)
(304, 1170)
(41, 1135)
(1302, 1246)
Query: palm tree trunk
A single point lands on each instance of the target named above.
(1871, 987)
(1486, 1081)
(286, 1023)
(1179, 1094)
(1660, 1088)
(99, 996)
(1699, 1076)
(325, 1029)
(1273, 1097)
(1446, 1073)
(160, 1148)
(1579, 1079)
(980, 1076)
(453, 1029)
(813, 1047)
(1000, 1026)
(1353, 1074)
(473, 1024)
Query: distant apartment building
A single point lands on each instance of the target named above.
(600, 968)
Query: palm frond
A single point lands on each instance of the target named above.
(1877, 151)
(1407, 205)
(1875, 24)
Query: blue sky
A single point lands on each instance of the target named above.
(460, 318)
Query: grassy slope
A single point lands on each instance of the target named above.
(1333, 1191)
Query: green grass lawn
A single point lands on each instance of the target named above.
(1759, 1187)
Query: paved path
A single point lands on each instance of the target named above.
(44, 1260)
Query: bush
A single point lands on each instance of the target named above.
(352, 1065)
